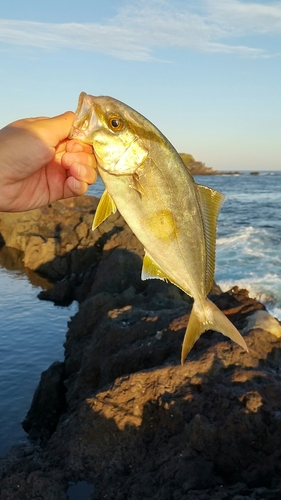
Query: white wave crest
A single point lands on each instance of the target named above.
(240, 235)
(266, 289)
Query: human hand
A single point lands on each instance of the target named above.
(39, 164)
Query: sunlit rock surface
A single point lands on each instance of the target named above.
(124, 417)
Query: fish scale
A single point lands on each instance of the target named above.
(174, 218)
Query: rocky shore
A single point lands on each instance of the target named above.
(120, 418)
(197, 167)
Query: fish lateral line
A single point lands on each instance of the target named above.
(134, 148)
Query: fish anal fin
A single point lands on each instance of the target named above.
(150, 270)
(210, 202)
(105, 208)
(208, 318)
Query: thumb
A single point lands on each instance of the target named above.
(54, 130)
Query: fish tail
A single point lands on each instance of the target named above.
(208, 317)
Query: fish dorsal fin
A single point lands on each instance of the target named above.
(150, 270)
(105, 208)
(211, 202)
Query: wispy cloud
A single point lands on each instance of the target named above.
(139, 30)
(245, 18)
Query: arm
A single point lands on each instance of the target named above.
(39, 164)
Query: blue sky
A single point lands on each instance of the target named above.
(207, 73)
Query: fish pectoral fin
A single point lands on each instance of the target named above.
(208, 317)
(136, 185)
(150, 270)
(210, 202)
(105, 208)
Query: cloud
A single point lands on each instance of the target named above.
(141, 29)
(88, 36)
(245, 18)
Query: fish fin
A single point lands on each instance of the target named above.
(150, 270)
(211, 202)
(208, 318)
(136, 184)
(105, 208)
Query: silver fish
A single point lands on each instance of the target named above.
(173, 217)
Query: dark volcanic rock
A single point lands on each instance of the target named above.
(48, 403)
(55, 240)
(129, 419)
(197, 167)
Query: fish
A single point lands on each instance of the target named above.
(173, 217)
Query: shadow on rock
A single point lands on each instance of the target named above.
(206, 430)
(121, 413)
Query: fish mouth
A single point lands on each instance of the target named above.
(80, 102)
(85, 102)
(85, 120)
(76, 133)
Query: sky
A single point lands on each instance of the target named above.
(207, 73)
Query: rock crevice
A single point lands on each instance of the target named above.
(120, 412)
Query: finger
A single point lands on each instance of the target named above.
(61, 147)
(53, 130)
(83, 172)
(74, 187)
(80, 157)
(74, 146)
(60, 126)
(82, 166)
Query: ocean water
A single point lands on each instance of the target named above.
(32, 332)
(248, 250)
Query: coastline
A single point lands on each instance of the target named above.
(120, 392)
(198, 168)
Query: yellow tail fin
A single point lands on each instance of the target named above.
(208, 317)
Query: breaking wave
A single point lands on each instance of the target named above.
(248, 250)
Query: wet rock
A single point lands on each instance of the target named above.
(264, 321)
(48, 403)
(57, 240)
(117, 272)
(50, 237)
(62, 293)
(122, 414)
(81, 489)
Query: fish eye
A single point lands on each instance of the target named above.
(116, 123)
